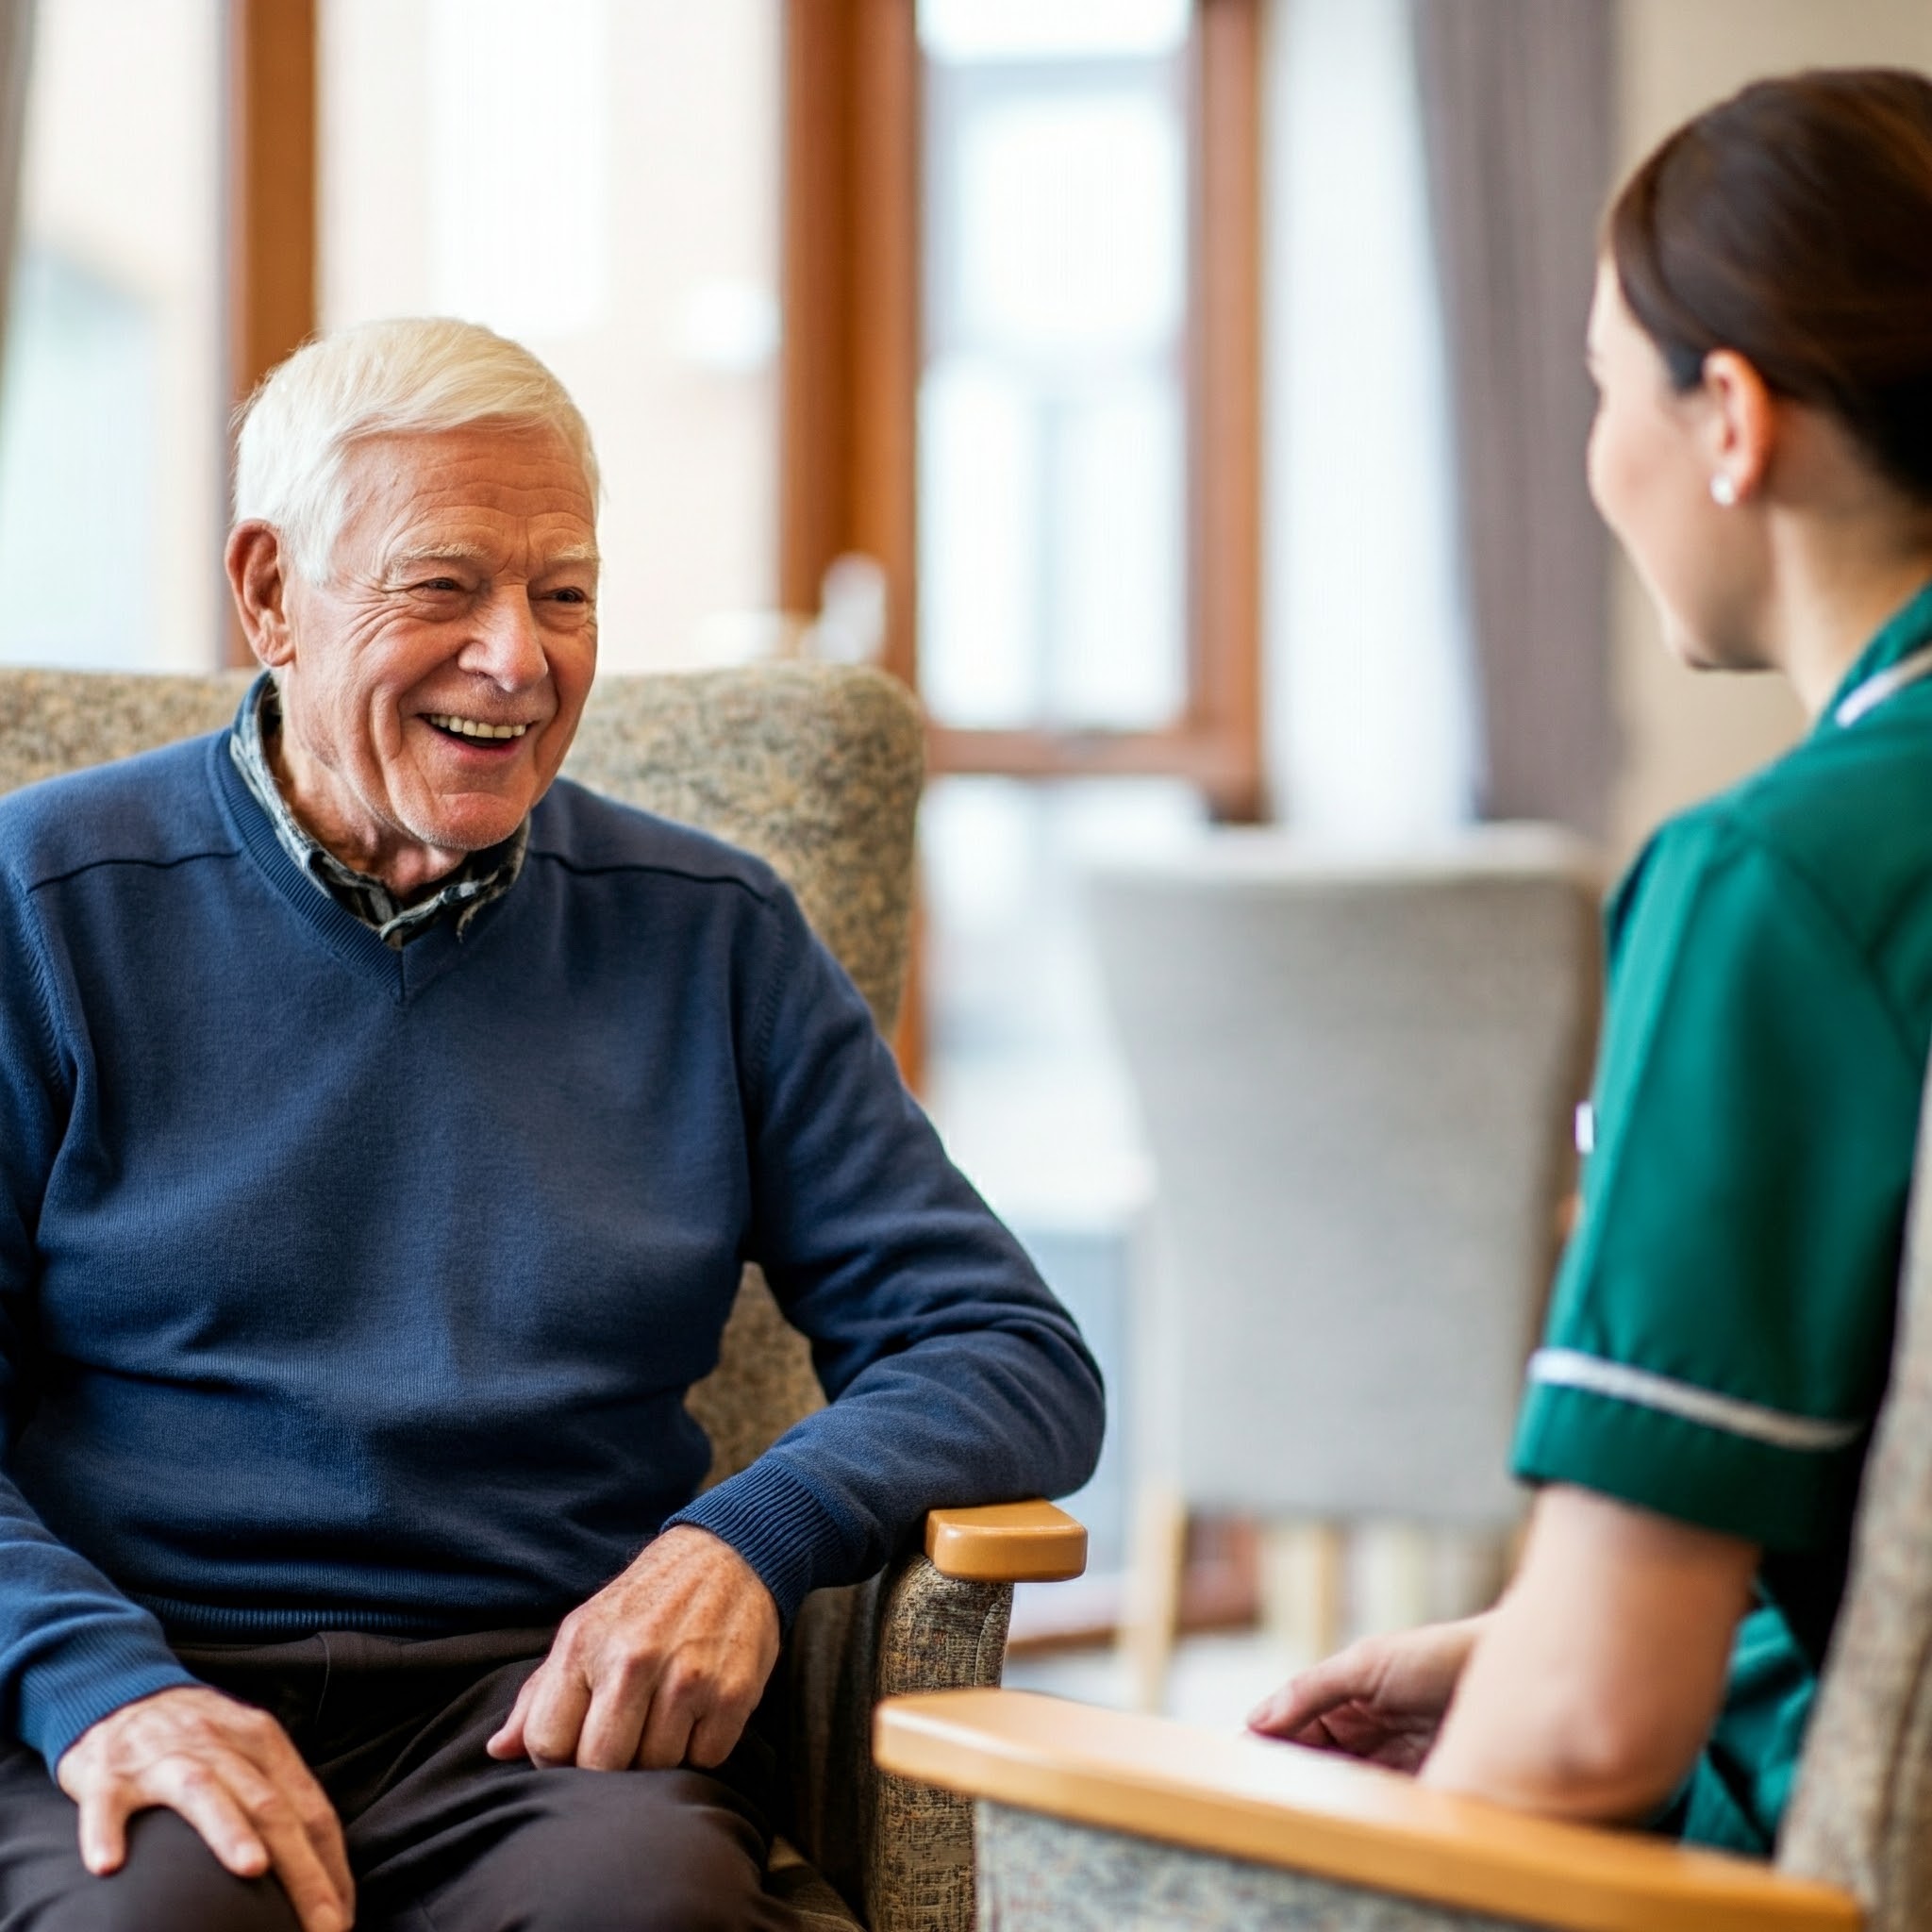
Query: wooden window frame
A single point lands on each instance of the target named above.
(850, 365)
(851, 356)
(270, 163)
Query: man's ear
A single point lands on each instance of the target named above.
(1743, 428)
(259, 579)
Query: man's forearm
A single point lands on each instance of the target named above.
(987, 1418)
(73, 1647)
(956, 1377)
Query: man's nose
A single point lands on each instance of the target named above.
(507, 645)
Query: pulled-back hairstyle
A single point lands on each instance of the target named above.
(1792, 224)
(379, 378)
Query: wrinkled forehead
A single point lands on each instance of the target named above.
(471, 492)
(417, 551)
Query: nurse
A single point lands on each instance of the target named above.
(1698, 1416)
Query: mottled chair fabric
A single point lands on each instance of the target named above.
(1861, 1817)
(1045, 1872)
(818, 771)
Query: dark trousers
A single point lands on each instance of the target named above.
(441, 1837)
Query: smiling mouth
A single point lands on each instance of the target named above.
(472, 730)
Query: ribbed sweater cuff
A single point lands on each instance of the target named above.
(779, 1526)
(90, 1674)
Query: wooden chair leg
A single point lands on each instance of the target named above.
(1393, 1573)
(1156, 1562)
(1303, 1594)
(1327, 1587)
(1468, 1569)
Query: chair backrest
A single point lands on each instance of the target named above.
(815, 768)
(1861, 1816)
(1358, 1082)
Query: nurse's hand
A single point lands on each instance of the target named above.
(1382, 1699)
(662, 1667)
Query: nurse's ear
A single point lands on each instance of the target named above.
(1740, 428)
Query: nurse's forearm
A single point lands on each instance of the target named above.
(1594, 1683)
(1545, 1737)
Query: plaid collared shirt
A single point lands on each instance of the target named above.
(481, 877)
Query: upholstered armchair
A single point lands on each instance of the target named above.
(1092, 1820)
(1359, 1076)
(818, 771)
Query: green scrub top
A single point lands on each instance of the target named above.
(1721, 1327)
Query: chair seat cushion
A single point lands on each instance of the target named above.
(819, 1908)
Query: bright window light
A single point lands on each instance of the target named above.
(519, 162)
(1050, 30)
(600, 179)
(1072, 236)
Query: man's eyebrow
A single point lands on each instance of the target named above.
(404, 562)
(407, 561)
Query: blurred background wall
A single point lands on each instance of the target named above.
(1686, 736)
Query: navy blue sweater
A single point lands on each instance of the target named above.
(355, 1288)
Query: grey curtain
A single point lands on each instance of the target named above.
(1516, 101)
(16, 58)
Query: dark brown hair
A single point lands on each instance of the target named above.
(1792, 224)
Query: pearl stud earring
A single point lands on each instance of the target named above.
(1723, 491)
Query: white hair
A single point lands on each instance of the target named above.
(411, 376)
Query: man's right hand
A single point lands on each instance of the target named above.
(231, 1771)
(1382, 1699)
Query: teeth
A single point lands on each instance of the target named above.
(475, 727)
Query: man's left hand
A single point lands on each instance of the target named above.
(662, 1667)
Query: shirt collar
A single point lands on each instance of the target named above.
(1907, 631)
(481, 877)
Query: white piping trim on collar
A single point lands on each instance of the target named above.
(1570, 1368)
(1882, 684)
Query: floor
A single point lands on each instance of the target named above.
(1216, 1679)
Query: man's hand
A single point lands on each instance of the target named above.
(1382, 1699)
(230, 1771)
(661, 1667)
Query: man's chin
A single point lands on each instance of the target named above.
(466, 832)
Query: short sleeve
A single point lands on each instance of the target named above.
(1720, 1331)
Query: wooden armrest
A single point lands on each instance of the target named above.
(1007, 1542)
(1248, 1798)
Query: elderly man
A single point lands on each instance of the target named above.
(383, 1125)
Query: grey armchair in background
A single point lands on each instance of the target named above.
(818, 771)
(1357, 1080)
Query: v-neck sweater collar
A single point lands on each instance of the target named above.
(400, 971)
(481, 877)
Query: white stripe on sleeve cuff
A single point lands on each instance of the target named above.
(1570, 1368)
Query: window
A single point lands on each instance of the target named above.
(1022, 376)
(599, 178)
(110, 422)
(1051, 543)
